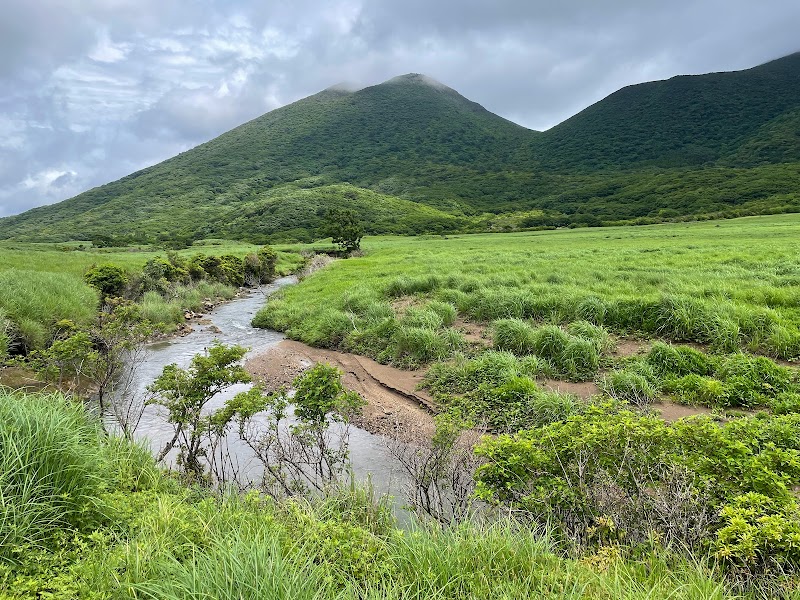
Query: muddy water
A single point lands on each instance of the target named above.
(230, 324)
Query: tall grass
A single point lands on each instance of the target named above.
(34, 301)
(52, 468)
(242, 557)
(728, 284)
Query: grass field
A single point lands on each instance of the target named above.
(732, 284)
(41, 284)
(557, 296)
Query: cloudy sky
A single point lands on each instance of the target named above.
(91, 90)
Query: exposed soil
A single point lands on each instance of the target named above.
(474, 333)
(670, 411)
(402, 304)
(582, 389)
(394, 406)
(625, 347)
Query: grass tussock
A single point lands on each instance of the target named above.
(726, 284)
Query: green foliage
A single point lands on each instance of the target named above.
(184, 393)
(668, 150)
(51, 470)
(319, 394)
(759, 534)
(109, 279)
(629, 386)
(638, 475)
(343, 226)
(231, 269)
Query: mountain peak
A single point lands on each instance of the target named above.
(418, 79)
(345, 87)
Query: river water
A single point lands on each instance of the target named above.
(230, 324)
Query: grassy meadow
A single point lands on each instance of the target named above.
(553, 304)
(42, 284)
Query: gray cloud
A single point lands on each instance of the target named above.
(95, 89)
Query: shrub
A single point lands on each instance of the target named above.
(108, 279)
(267, 258)
(232, 270)
(759, 534)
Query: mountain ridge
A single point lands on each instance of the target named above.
(414, 139)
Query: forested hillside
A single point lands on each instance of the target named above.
(413, 156)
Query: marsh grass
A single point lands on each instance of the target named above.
(52, 469)
(34, 301)
(728, 284)
(41, 284)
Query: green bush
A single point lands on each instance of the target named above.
(759, 534)
(108, 279)
(232, 270)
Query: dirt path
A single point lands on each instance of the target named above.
(394, 406)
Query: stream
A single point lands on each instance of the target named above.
(229, 324)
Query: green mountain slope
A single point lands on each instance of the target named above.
(412, 155)
(683, 121)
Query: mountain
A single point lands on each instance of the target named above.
(412, 155)
(685, 121)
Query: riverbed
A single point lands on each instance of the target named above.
(229, 324)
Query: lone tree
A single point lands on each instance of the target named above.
(343, 225)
